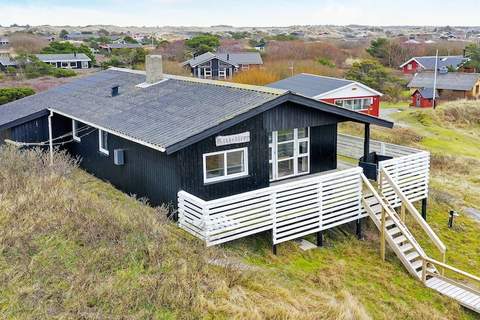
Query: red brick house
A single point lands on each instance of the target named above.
(348, 94)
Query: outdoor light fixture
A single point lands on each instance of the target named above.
(452, 215)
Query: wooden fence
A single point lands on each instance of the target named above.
(290, 210)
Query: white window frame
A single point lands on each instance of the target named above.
(100, 140)
(75, 135)
(273, 146)
(225, 176)
(245, 67)
(363, 107)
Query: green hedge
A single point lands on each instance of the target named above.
(12, 94)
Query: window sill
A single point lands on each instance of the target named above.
(226, 180)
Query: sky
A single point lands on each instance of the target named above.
(252, 13)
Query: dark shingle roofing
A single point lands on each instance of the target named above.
(162, 115)
(428, 62)
(233, 58)
(448, 81)
(63, 57)
(310, 85)
(122, 45)
(427, 93)
(7, 61)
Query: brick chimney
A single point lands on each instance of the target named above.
(153, 68)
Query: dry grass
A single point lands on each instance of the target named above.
(279, 69)
(74, 247)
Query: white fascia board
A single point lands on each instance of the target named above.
(412, 59)
(329, 93)
(115, 133)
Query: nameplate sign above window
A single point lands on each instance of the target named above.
(232, 139)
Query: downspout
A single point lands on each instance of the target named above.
(50, 137)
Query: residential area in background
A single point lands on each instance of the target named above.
(396, 63)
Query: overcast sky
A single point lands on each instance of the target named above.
(240, 13)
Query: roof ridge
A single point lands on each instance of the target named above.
(250, 87)
(320, 76)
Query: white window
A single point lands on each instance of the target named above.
(245, 67)
(355, 104)
(289, 153)
(222, 73)
(228, 164)
(409, 66)
(103, 142)
(76, 131)
(64, 64)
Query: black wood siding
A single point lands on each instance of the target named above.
(323, 149)
(291, 115)
(32, 131)
(146, 173)
(190, 160)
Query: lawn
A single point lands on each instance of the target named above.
(72, 246)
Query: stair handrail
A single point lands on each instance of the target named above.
(416, 215)
(397, 221)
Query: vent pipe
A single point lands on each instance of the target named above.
(115, 91)
(153, 68)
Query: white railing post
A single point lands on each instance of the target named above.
(206, 223)
(320, 205)
(273, 206)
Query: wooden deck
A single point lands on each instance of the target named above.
(465, 297)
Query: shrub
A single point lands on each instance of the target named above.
(12, 94)
(257, 77)
(62, 73)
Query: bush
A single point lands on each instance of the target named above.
(62, 73)
(12, 94)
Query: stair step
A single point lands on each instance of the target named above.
(394, 231)
(412, 256)
(432, 270)
(400, 239)
(417, 264)
(406, 247)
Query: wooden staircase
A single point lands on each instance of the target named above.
(394, 232)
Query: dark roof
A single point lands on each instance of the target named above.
(168, 115)
(236, 59)
(428, 62)
(449, 81)
(7, 61)
(53, 57)
(312, 85)
(427, 93)
(122, 46)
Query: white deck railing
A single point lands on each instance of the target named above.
(291, 210)
(409, 168)
(410, 173)
(352, 147)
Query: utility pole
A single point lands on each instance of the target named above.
(435, 80)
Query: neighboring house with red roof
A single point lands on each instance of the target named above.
(345, 93)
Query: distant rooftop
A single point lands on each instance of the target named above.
(237, 58)
(428, 62)
(54, 57)
(449, 81)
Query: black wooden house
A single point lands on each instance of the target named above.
(152, 135)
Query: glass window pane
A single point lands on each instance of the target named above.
(214, 165)
(285, 135)
(270, 153)
(270, 137)
(302, 164)
(285, 150)
(104, 140)
(285, 168)
(271, 171)
(339, 103)
(302, 133)
(303, 147)
(235, 162)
